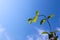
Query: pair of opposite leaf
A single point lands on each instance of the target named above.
(30, 20)
(45, 19)
(50, 32)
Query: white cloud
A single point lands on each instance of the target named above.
(39, 30)
(7, 37)
(42, 36)
(1, 29)
(3, 32)
(58, 29)
(38, 36)
(29, 38)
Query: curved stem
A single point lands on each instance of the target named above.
(49, 25)
(47, 21)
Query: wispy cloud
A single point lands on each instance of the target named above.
(58, 29)
(39, 30)
(7, 37)
(29, 37)
(3, 32)
(38, 36)
(42, 36)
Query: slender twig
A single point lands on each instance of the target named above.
(47, 22)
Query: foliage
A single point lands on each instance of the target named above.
(34, 19)
(30, 20)
(42, 21)
(44, 32)
(50, 16)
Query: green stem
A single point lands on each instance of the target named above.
(47, 22)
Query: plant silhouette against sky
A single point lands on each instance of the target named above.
(52, 34)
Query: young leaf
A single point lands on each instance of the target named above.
(44, 32)
(30, 20)
(42, 21)
(50, 36)
(35, 18)
(37, 13)
(50, 16)
(51, 32)
(55, 38)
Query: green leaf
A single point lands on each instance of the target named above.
(35, 18)
(51, 32)
(44, 32)
(30, 20)
(56, 38)
(50, 16)
(42, 21)
(37, 12)
(50, 36)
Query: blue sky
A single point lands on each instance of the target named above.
(14, 15)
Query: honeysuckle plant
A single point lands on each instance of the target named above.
(52, 34)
